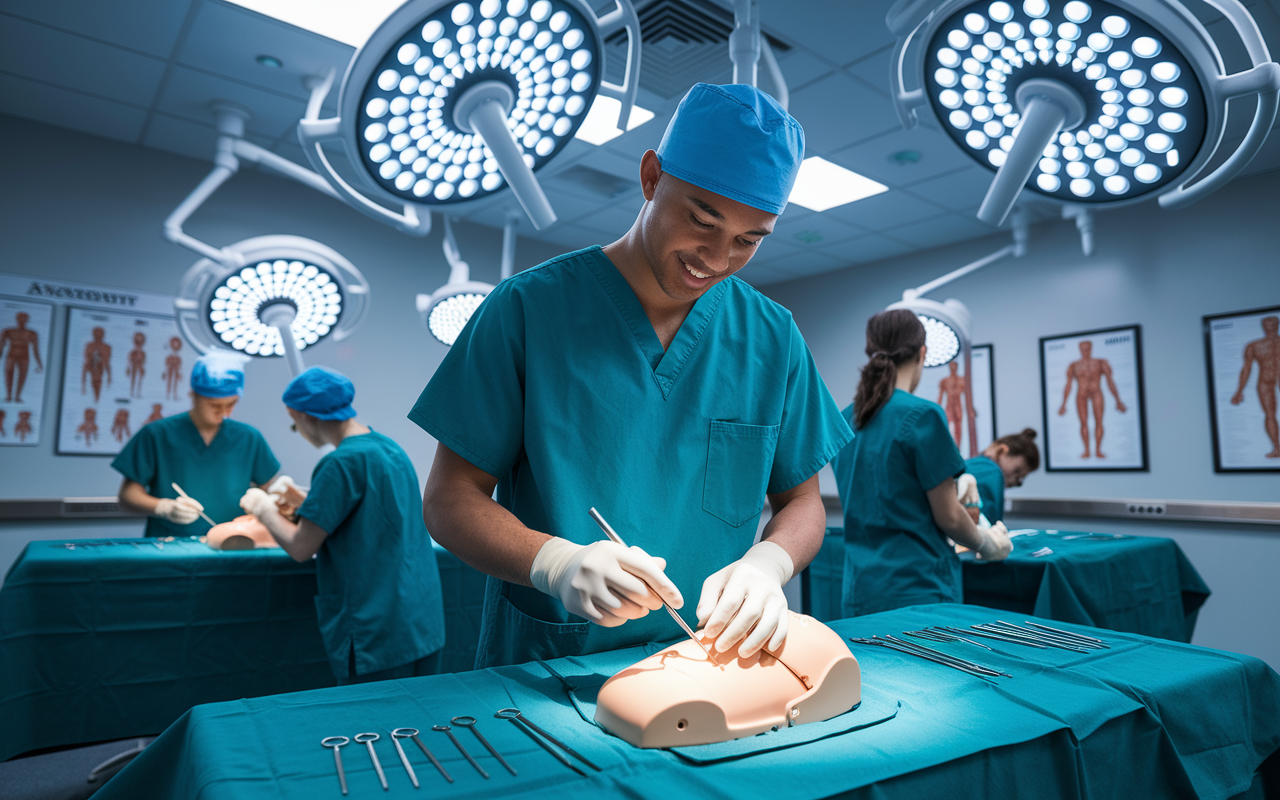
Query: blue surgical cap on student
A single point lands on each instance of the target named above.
(218, 374)
(321, 392)
(735, 141)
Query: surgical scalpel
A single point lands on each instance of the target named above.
(203, 515)
(616, 539)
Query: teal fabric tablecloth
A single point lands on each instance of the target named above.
(1147, 718)
(1136, 584)
(119, 637)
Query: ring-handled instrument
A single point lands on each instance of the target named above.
(514, 714)
(470, 722)
(412, 733)
(404, 759)
(448, 731)
(336, 743)
(616, 539)
(181, 493)
(367, 739)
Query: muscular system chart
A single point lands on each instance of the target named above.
(122, 370)
(25, 327)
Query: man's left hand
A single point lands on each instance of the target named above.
(744, 601)
(258, 503)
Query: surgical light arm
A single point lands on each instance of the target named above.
(1021, 231)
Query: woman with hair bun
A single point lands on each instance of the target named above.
(897, 483)
(1004, 464)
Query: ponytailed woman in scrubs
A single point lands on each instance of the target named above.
(1004, 464)
(897, 483)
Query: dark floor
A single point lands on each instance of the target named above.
(61, 775)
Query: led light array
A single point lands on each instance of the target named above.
(544, 50)
(233, 310)
(1145, 109)
(941, 343)
(451, 314)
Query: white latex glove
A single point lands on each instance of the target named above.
(967, 490)
(996, 544)
(603, 581)
(747, 593)
(258, 503)
(278, 486)
(180, 511)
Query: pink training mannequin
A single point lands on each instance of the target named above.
(677, 697)
(246, 532)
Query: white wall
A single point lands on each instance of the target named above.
(1161, 269)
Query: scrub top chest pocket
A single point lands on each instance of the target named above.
(739, 458)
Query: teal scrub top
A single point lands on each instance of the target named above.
(895, 554)
(990, 486)
(379, 601)
(560, 388)
(170, 450)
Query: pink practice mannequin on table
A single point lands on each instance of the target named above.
(246, 532)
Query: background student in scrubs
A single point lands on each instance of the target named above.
(645, 380)
(213, 458)
(380, 608)
(1004, 464)
(897, 483)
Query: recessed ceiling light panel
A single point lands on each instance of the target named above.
(821, 185)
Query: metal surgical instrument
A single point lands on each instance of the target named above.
(917, 654)
(367, 739)
(335, 743)
(1069, 634)
(616, 539)
(515, 712)
(413, 776)
(449, 732)
(931, 651)
(412, 733)
(470, 722)
(203, 515)
(514, 716)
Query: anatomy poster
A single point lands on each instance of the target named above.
(25, 326)
(121, 371)
(1091, 386)
(946, 386)
(1243, 354)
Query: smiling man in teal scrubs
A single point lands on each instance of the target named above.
(645, 380)
(213, 458)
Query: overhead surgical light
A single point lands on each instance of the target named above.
(1085, 102)
(269, 295)
(446, 311)
(450, 102)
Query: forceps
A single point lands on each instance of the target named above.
(470, 722)
(367, 739)
(336, 743)
(514, 715)
(412, 733)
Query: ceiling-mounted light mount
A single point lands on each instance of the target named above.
(446, 311)
(1087, 102)
(450, 102)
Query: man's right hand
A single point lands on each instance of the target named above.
(180, 511)
(996, 544)
(603, 581)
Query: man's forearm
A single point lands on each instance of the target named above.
(799, 523)
(133, 497)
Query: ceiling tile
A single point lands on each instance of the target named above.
(227, 39)
(840, 32)
(884, 211)
(188, 94)
(757, 275)
(54, 106)
(606, 160)
(962, 190)
(868, 248)
(810, 230)
(151, 26)
(839, 110)
(186, 138)
(612, 221)
(570, 237)
(810, 262)
(874, 69)
(64, 59)
(941, 230)
(874, 158)
(800, 67)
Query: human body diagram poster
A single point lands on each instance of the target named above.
(121, 371)
(1093, 406)
(1243, 353)
(25, 326)
(946, 386)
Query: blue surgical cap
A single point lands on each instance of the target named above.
(735, 141)
(322, 393)
(218, 374)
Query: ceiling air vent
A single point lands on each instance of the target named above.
(684, 43)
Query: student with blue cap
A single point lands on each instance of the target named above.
(379, 604)
(213, 458)
(644, 379)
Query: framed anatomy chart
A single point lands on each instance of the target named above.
(25, 327)
(121, 370)
(1242, 352)
(1091, 391)
(946, 386)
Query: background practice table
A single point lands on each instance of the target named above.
(1136, 584)
(119, 637)
(1146, 718)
